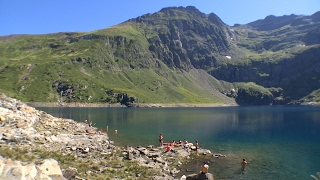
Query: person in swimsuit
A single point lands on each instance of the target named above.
(186, 144)
(197, 145)
(243, 164)
(173, 143)
(179, 143)
(100, 132)
(160, 137)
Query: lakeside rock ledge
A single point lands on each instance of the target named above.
(36, 145)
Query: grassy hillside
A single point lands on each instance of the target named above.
(96, 66)
(176, 55)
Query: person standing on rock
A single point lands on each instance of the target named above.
(160, 137)
(185, 144)
(197, 145)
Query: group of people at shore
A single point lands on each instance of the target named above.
(186, 145)
(100, 132)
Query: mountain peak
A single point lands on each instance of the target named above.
(316, 16)
(189, 8)
(189, 12)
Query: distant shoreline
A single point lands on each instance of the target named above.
(142, 105)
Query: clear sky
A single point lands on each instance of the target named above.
(49, 16)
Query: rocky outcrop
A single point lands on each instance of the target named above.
(67, 90)
(15, 170)
(207, 176)
(251, 96)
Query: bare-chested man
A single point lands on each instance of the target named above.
(160, 137)
(204, 168)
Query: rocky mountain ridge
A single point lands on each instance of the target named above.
(172, 47)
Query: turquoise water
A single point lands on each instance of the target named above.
(279, 142)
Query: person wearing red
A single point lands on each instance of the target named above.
(168, 148)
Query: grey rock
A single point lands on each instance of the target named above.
(70, 173)
(143, 151)
(207, 176)
(130, 156)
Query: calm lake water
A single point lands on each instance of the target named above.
(279, 142)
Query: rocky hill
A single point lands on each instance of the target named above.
(186, 55)
(286, 51)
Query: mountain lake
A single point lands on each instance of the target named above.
(279, 142)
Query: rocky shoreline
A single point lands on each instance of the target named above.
(36, 145)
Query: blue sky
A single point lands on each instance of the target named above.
(49, 16)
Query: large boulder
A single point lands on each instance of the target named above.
(14, 170)
(207, 176)
(50, 167)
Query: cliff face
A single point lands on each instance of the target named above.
(287, 50)
(170, 47)
(185, 38)
(297, 75)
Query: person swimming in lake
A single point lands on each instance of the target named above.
(243, 164)
(204, 168)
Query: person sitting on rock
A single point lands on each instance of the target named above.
(169, 149)
(100, 132)
(179, 142)
(90, 132)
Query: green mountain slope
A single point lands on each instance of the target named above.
(176, 55)
(98, 67)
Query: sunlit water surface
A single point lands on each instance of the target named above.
(279, 142)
